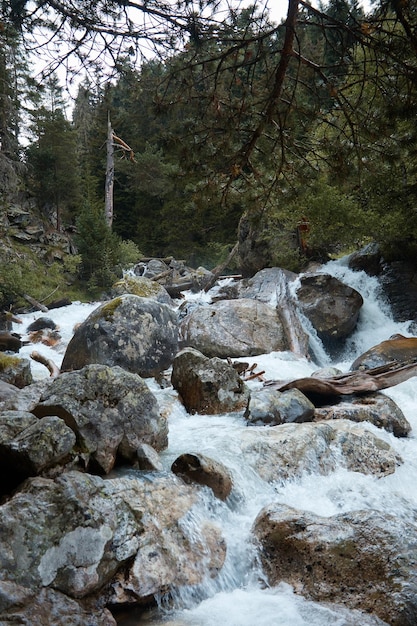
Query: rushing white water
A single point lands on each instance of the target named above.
(240, 596)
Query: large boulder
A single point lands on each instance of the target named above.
(141, 286)
(207, 386)
(286, 452)
(397, 349)
(331, 306)
(123, 537)
(375, 408)
(111, 412)
(138, 334)
(362, 559)
(273, 286)
(234, 328)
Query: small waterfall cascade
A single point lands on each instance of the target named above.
(240, 596)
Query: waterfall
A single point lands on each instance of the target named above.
(240, 596)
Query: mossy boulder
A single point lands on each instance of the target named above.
(135, 333)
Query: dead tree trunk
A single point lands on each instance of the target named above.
(108, 210)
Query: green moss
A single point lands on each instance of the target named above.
(7, 361)
(142, 287)
(108, 309)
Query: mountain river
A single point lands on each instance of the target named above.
(240, 596)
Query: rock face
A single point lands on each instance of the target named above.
(111, 412)
(362, 559)
(331, 306)
(207, 386)
(398, 280)
(234, 328)
(135, 333)
(284, 452)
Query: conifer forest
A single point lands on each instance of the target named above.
(215, 111)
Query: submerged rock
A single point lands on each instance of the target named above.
(285, 452)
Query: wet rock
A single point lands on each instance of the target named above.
(148, 458)
(40, 324)
(207, 386)
(197, 468)
(176, 547)
(285, 452)
(397, 349)
(43, 607)
(376, 408)
(271, 407)
(234, 328)
(135, 333)
(359, 559)
(331, 306)
(111, 412)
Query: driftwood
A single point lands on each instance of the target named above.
(52, 367)
(359, 381)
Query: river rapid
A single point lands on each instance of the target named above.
(240, 596)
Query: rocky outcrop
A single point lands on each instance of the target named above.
(272, 286)
(135, 333)
(111, 412)
(398, 279)
(207, 386)
(284, 452)
(359, 559)
(331, 306)
(234, 328)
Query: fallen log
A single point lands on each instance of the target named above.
(356, 382)
(35, 303)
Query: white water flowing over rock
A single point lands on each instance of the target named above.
(239, 595)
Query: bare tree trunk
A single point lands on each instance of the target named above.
(108, 211)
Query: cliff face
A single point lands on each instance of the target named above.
(33, 254)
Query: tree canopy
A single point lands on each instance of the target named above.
(229, 114)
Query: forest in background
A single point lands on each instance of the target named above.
(310, 120)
